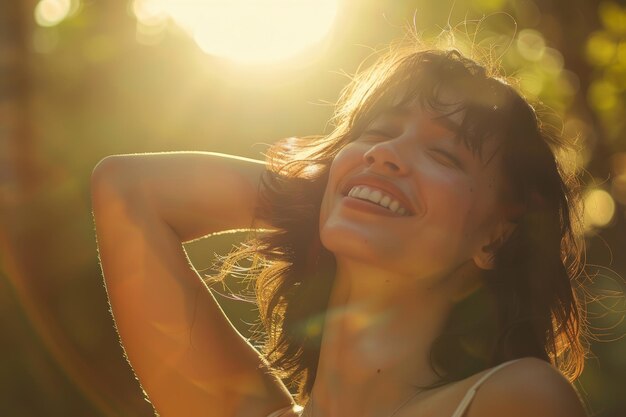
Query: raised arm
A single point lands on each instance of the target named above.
(189, 358)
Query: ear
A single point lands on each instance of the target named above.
(486, 256)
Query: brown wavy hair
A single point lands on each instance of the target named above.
(528, 304)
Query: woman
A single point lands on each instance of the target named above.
(427, 247)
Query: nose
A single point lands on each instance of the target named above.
(385, 157)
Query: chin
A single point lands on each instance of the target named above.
(346, 242)
(349, 244)
(355, 248)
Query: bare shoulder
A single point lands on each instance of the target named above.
(528, 387)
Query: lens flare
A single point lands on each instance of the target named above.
(242, 30)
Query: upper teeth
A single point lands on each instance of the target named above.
(377, 196)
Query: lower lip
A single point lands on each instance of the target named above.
(362, 205)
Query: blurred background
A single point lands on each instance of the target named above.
(83, 79)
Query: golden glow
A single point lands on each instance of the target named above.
(45, 41)
(602, 95)
(618, 171)
(600, 49)
(552, 61)
(149, 12)
(618, 163)
(532, 82)
(531, 44)
(618, 188)
(244, 30)
(488, 5)
(621, 53)
(599, 208)
(574, 159)
(52, 12)
(613, 17)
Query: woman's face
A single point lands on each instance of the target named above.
(409, 197)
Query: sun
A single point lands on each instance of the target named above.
(252, 31)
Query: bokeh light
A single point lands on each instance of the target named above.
(618, 182)
(600, 48)
(599, 208)
(618, 188)
(52, 12)
(531, 44)
(149, 12)
(613, 17)
(552, 60)
(241, 30)
(618, 163)
(95, 78)
(621, 53)
(603, 95)
(488, 5)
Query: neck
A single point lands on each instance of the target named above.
(376, 340)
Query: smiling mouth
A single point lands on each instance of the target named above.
(378, 197)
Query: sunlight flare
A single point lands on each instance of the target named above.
(242, 30)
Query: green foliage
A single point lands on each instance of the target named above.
(605, 51)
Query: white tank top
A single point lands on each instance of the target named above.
(465, 402)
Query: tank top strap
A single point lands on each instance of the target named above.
(469, 396)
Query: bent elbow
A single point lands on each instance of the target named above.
(108, 179)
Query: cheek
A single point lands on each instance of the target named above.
(449, 222)
(324, 211)
(447, 195)
(480, 215)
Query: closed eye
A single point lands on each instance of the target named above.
(374, 136)
(449, 157)
(376, 132)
